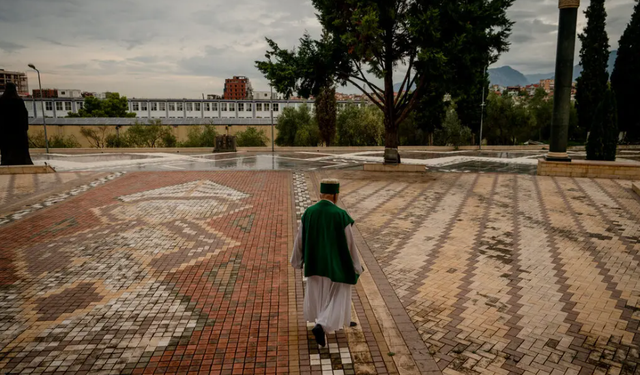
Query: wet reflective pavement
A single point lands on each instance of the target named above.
(471, 161)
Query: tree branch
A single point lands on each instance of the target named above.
(407, 77)
(364, 79)
(378, 95)
(405, 98)
(367, 94)
(412, 102)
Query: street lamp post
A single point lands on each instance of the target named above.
(44, 121)
(482, 108)
(271, 107)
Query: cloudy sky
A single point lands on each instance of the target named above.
(168, 48)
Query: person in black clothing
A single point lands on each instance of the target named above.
(14, 124)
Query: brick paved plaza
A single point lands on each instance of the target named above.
(187, 272)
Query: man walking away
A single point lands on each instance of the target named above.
(324, 246)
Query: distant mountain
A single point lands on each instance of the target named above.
(507, 76)
(396, 87)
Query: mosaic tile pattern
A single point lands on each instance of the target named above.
(509, 274)
(154, 273)
(34, 184)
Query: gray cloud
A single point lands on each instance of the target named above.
(52, 41)
(10, 46)
(168, 48)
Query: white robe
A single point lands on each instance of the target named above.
(325, 302)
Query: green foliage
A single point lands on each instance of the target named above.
(116, 141)
(360, 126)
(55, 141)
(594, 58)
(296, 127)
(453, 132)
(411, 133)
(96, 136)
(151, 135)
(625, 78)
(603, 139)
(200, 137)
(442, 44)
(113, 106)
(251, 137)
(326, 114)
(507, 123)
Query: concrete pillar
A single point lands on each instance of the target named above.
(563, 80)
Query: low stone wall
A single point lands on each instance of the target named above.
(590, 169)
(26, 169)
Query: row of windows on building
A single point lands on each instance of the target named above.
(208, 107)
(62, 106)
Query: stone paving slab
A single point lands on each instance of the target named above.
(507, 274)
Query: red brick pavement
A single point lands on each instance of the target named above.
(191, 278)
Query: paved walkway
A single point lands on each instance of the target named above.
(187, 272)
(509, 274)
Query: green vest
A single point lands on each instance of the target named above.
(326, 252)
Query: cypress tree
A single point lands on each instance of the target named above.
(625, 78)
(326, 114)
(594, 58)
(603, 140)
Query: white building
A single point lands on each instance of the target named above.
(179, 108)
(69, 93)
(264, 95)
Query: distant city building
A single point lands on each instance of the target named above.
(18, 78)
(69, 93)
(237, 88)
(531, 89)
(46, 93)
(514, 90)
(547, 84)
(264, 95)
(498, 89)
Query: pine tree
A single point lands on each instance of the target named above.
(594, 58)
(603, 140)
(625, 78)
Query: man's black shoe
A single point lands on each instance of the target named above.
(353, 324)
(318, 332)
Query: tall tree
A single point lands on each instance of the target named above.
(326, 114)
(594, 58)
(625, 78)
(436, 42)
(603, 140)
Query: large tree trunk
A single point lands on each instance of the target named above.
(391, 155)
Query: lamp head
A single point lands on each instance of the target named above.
(32, 67)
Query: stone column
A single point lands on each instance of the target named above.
(563, 80)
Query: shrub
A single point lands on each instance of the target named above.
(55, 141)
(200, 137)
(294, 120)
(150, 135)
(360, 126)
(251, 138)
(453, 132)
(96, 136)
